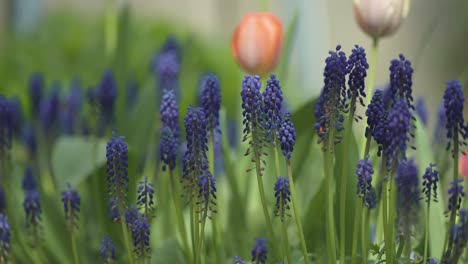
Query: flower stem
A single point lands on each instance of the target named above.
(391, 218)
(426, 237)
(192, 230)
(126, 237)
(179, 215)
(453, 213)
(357, 214)
(211, 162)
(297, 216)
(201, 237)
(286, 242)
(372, 67)
(75, 251)
(344, 178)
(330, 218)
(364, 235)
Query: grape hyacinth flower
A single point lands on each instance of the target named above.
(460, 236)
(430, 179)
(169, 111)
(239, 260)
(440, 130)
(71, 204)
(398, 127)
(32, 208)
(272, 103)
(210, 98)
(287, 135)
(168, 149)
(117, 175)
(5, 238)
(283, 197)
(401, 75)
(106, 94)
(49, 109)
(333, 101)
(36, 86)
(113, 210)
(376, 120)
(456, 195)
(29, 140)
(364, 172)
(167, 69)
(17, 115)
(453, 103)
(207, 193)
(421, 110)
(107, 250)
(141, 236)
(357, 68)
(145, 198)
(6, 126)
(29, 183)
(259, 251)
(131, 214)
(72, 108)
(195, 163)
(2, 200)
(407, 183)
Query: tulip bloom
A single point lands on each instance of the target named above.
(379, 18)
(463, 165)
(257, 41)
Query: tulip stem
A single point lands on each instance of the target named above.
(372, 66)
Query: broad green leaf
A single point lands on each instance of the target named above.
(75, 158)
(437, 227)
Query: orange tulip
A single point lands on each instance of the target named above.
(257, 41)
(463, 165)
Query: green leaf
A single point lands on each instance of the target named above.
(75, 158)
(437, 227)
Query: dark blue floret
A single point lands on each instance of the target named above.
(333, 98)
(207, 193)
(5, 237)
(456, 195)
(169, 111)
(36, 86)
(117, 175)
(131, 214)
(71, 204)
(168, 149)
(398, 127)
(459, 236)
(287, 136)
(421, 110)
(32, 208)
(145, 197)
(210, 98)
(167, 68)
(107, 250)
(106, 94)
(364, 173)
(272, 103)
(2, 200)
(17, 115)
(357, 68)
(430, 179)
(72, 107)
(401, 75)
(259, 251)
(371, 199)
(453, 103)
(195, 161)
(49, 109)
(29, 183)
(251, 104)
(141, 236)
(283, 197)
(440, 131)
(6, 124)
(29, 139)
(113, 209)
(407, 183)
(376, 119)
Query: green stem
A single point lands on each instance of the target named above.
(277, 163)
(211, 162)
(219, 251)
(330, 218)
(126, 238)
(391, 218)
(286, 242)
(344, 178)
(453, 213)
(265, 5)
(201, 237)
(364, 235)
(400, 247)
(75, 251)
(179, 215)
(357, 214)
(197, 229)
(297, 216)
(192, 229)
(426, 237)
(372, 67)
